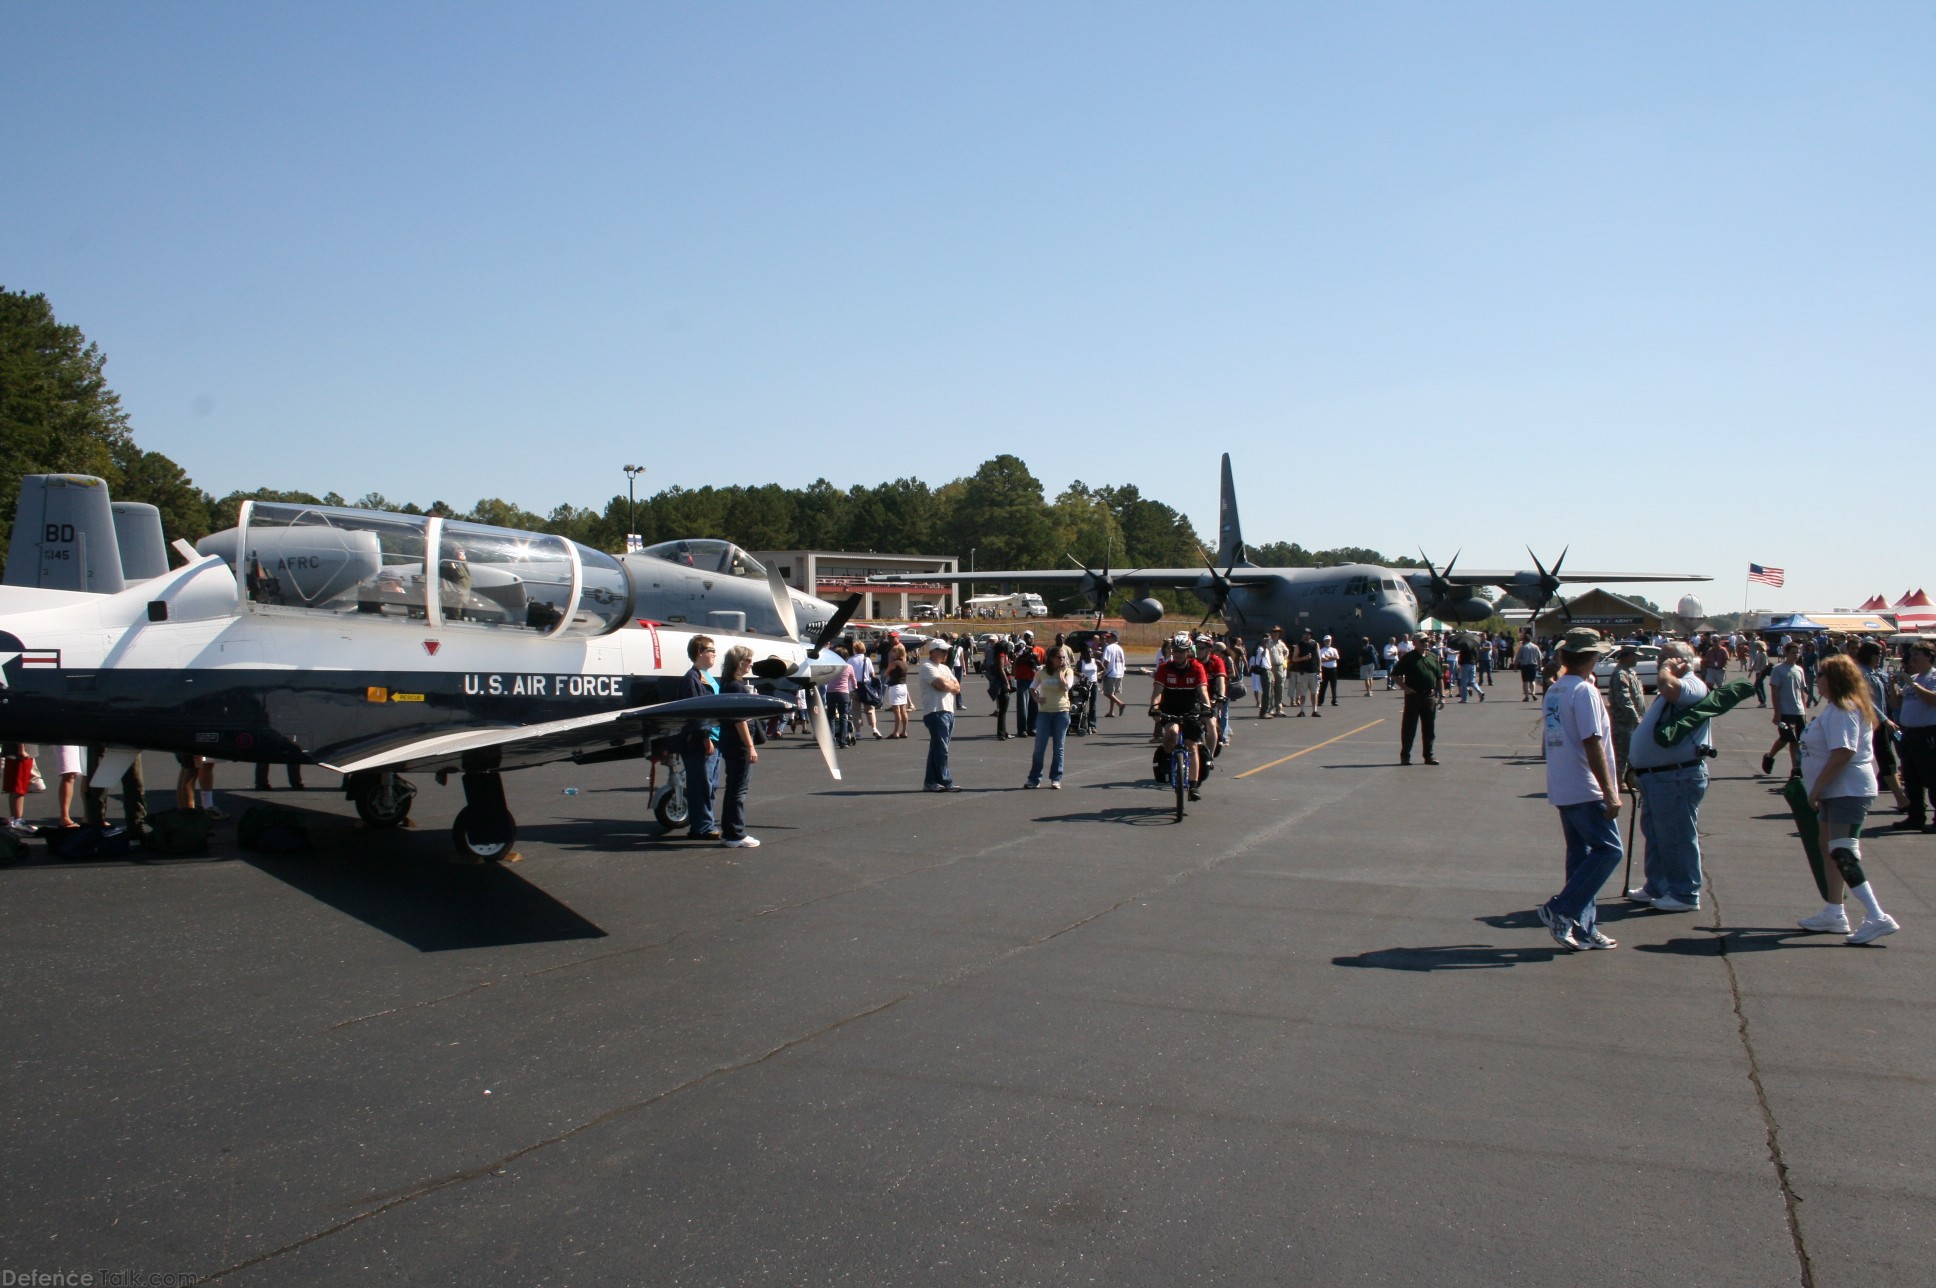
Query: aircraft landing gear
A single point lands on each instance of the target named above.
(382, 798)
(670, 807)
(484, 829)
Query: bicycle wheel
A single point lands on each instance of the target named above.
(1180, 777)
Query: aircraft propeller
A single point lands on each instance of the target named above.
(823, 734)
(1549, 584)
(1218, 593)
(1441, 584)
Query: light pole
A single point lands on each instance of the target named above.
(632, 543)
(971, 576)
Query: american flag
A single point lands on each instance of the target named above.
(1766, 576)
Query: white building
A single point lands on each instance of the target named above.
(835, 574)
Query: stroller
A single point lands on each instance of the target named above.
(1082, 702)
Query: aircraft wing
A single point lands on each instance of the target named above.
(1508, 577)
(1172, 578)
(521, 746)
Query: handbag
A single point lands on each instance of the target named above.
(873, 691)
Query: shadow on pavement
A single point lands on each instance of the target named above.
(407, 884)
(1738, 939)
(1449, 957)
(1134, 816)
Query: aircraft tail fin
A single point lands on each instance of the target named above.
(1230, 534)
(64, 536)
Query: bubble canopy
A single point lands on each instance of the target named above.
(709, 554)
(327, 559)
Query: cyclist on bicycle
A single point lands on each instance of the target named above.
(1213, 665)
(1180, 699)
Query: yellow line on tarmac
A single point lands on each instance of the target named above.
(1308, 750)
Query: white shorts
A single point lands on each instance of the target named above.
(897, 695)
(68, 760)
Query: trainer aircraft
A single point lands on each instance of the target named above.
(1347, 601)
(371, 643)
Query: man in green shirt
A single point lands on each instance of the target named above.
(1420, 672)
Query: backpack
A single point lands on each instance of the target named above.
(272, 829)
(87, 842)
(12, 850)
(179, 832)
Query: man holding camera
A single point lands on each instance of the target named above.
(1672, 782)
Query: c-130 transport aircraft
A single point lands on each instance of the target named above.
(1347, 601)
(368, 642)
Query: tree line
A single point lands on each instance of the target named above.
(58, 415)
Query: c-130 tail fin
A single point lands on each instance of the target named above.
(1230, 534)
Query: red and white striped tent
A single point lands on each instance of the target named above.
(1915, 612)
(1873, 604)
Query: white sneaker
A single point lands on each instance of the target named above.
(1668, 903)
(1829, 921)
(1639, 895)
(22, 826)
(744, 843)
(1875, 928)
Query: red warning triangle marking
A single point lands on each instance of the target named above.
(431, 646)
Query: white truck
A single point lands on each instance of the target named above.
(1026, 604)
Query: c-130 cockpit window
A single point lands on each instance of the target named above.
(325, 559)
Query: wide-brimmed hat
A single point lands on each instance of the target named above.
(1583, 639)
(1627, 650)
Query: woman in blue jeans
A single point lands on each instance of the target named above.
(1051, 688)
(737, 749)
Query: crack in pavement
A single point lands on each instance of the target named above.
(1245, 846)
(498, 1165)
(1791, 1209)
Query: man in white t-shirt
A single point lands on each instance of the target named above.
(1115, 664)
(1581, 785)
(1327, 671)
(935, 690)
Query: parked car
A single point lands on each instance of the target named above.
(1648, 666)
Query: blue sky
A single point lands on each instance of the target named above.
(1642, 280)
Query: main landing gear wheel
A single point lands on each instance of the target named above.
(484, 830)
(670, 810)
(382, 800)
(480, 834)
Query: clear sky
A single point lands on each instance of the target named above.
(1655, 280)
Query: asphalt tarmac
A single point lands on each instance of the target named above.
(1311, 1034)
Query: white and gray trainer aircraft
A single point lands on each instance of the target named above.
(371, 643)
(1347, 601)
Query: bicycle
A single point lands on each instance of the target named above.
(1183, 773)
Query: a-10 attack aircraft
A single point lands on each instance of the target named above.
(367, 642)
(1346, 601)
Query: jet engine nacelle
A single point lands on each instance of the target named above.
(1473, 609)
(1142, 611)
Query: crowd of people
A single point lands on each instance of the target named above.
(1848, 723)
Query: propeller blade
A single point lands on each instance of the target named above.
(783, 604)
(836, 624)
(823, 732)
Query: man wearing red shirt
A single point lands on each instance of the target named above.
(1182, 690)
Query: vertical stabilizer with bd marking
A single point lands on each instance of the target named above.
(1230, 534)
(64, 536)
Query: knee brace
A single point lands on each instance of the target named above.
(1848, 860)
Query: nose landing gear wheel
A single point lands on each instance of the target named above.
(482, 834)
(382, 800)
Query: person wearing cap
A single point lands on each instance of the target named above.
(1327, 674)
(1581, 785)
(1280, 666)
(1918, 721)
(1419, 673)
(1627, 703)
(1671, 781)
(936, 685)
(1528, 659)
